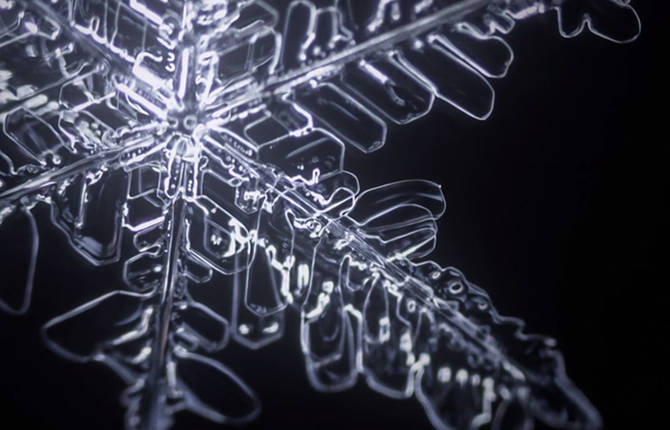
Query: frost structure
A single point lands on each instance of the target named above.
(201, 142)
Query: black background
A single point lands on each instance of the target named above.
(555, 207)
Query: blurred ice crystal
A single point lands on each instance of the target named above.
(202, 142)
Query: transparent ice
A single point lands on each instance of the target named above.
(201, 142)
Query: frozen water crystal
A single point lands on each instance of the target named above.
(202, 142)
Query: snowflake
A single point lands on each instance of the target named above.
(202, 142)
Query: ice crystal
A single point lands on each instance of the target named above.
(202, 142)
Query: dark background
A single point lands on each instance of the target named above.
(555, 207)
